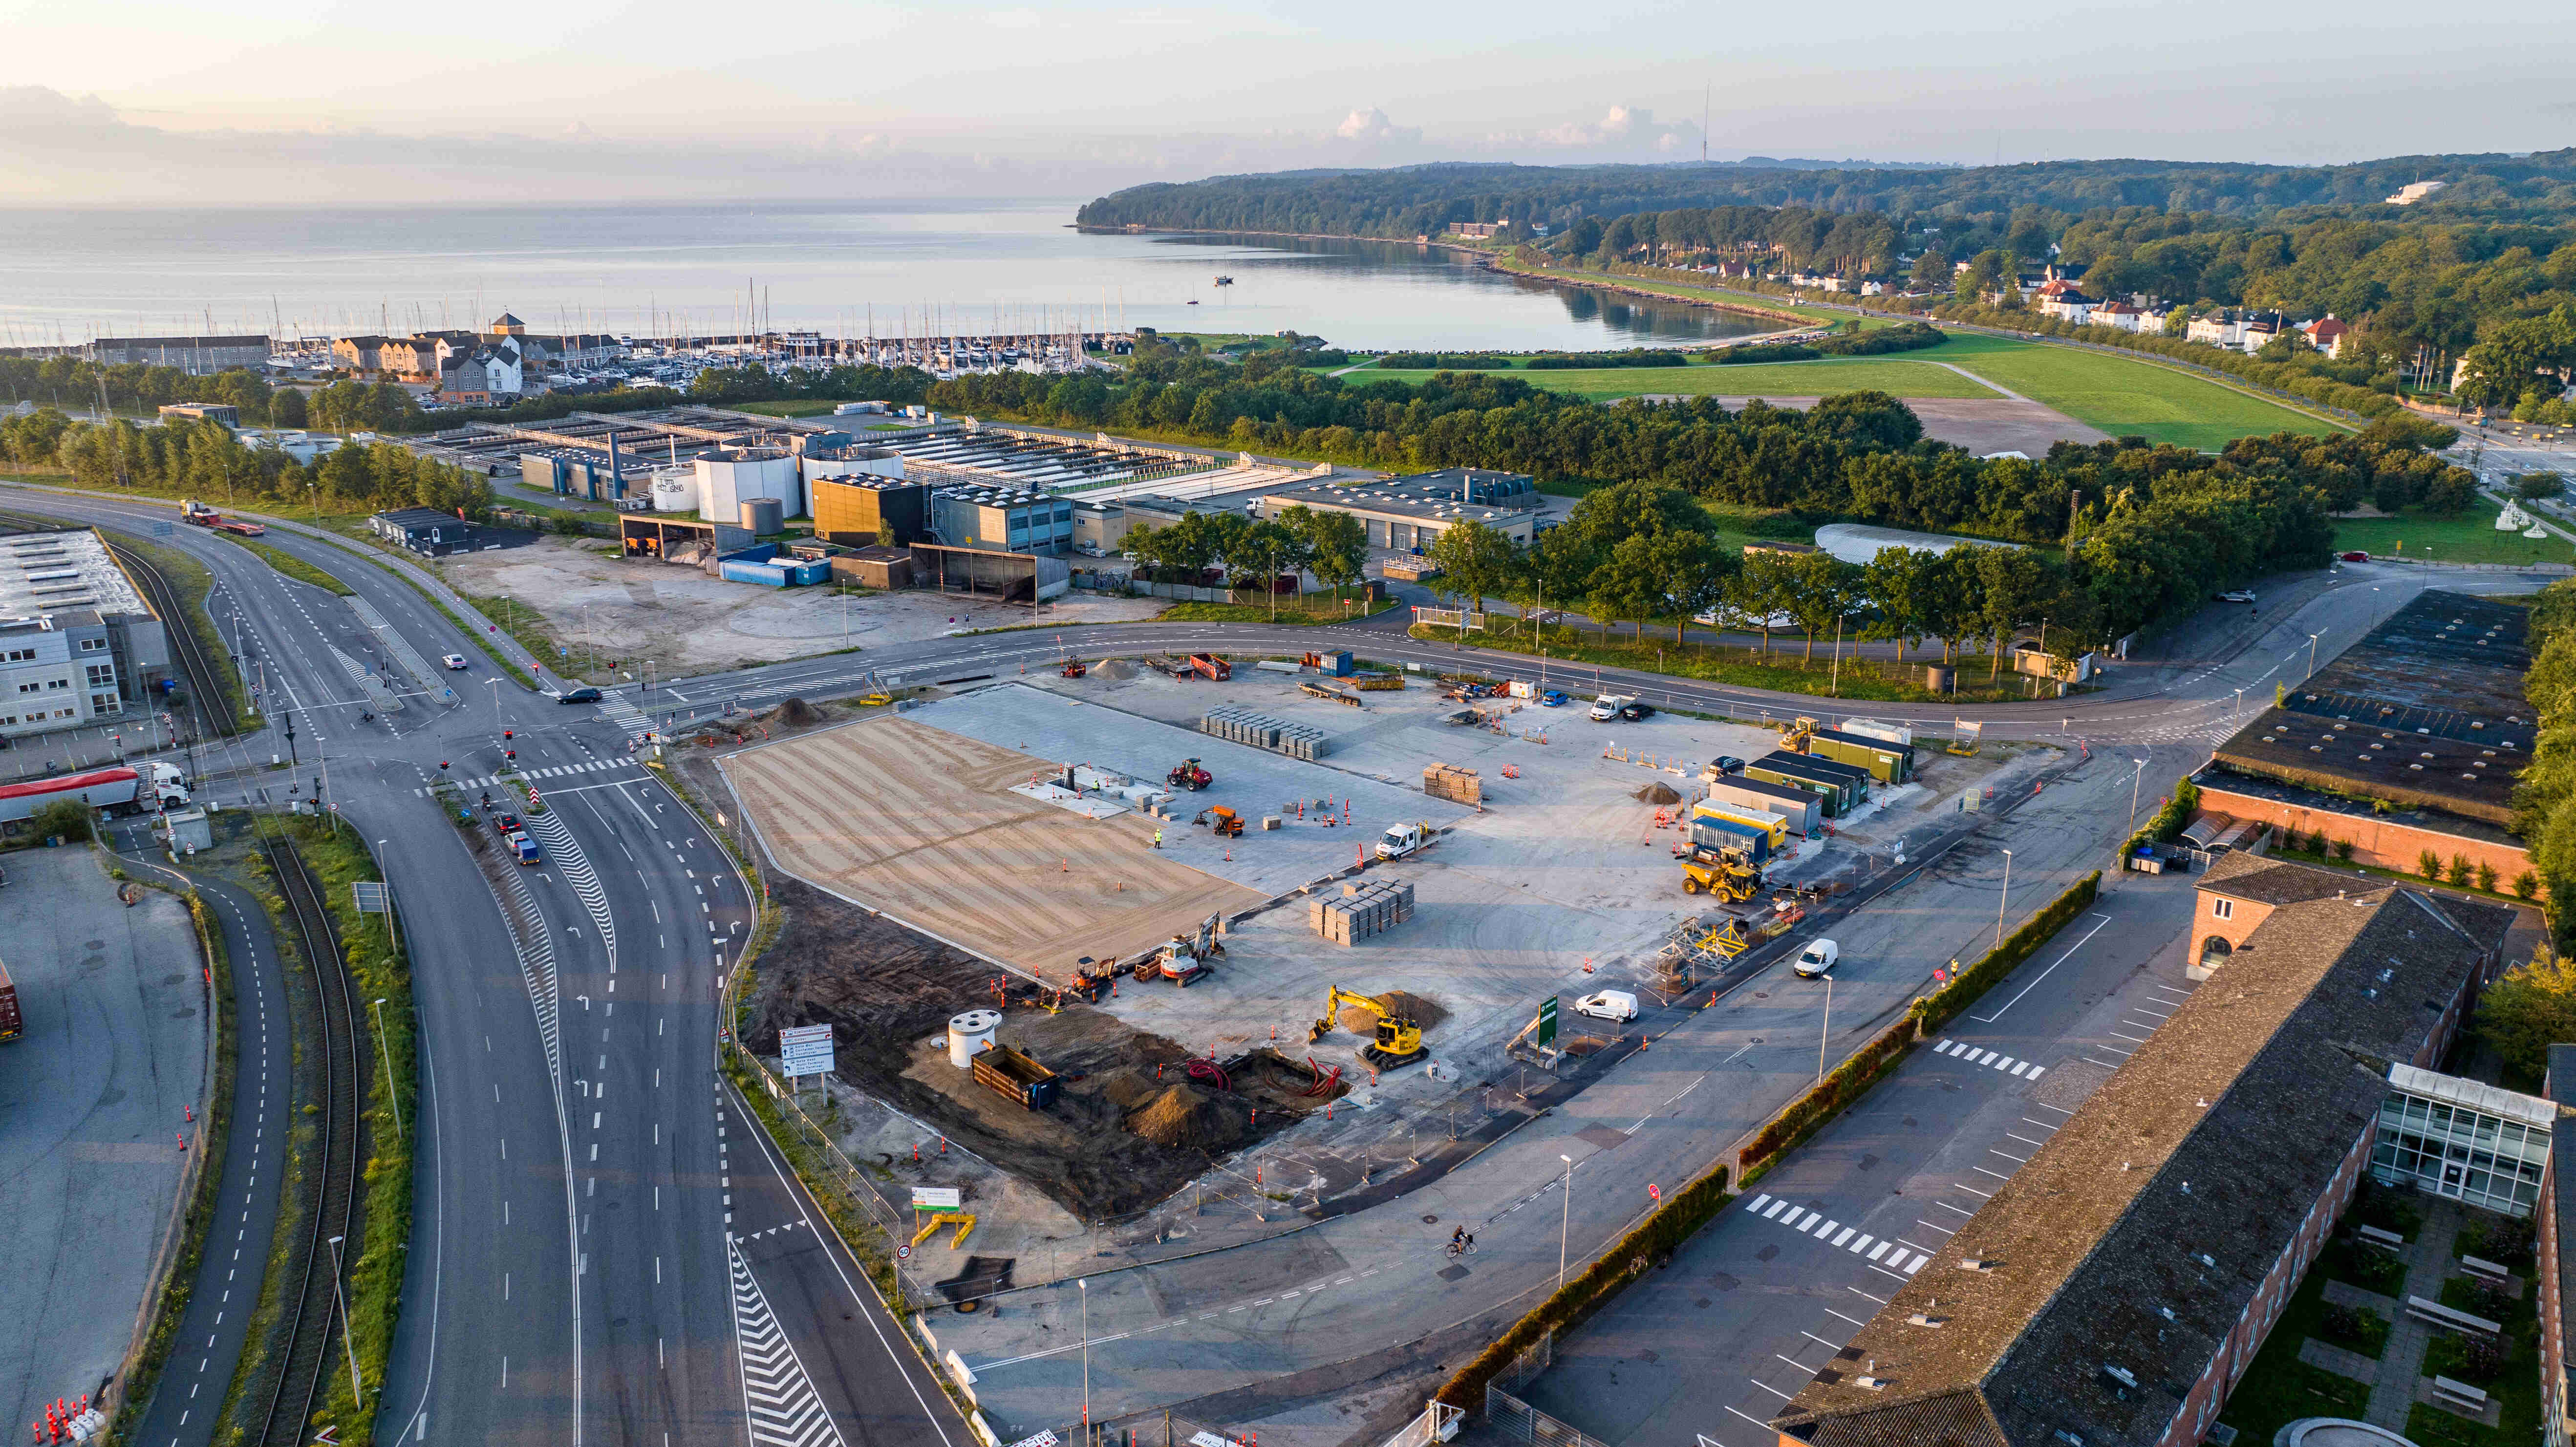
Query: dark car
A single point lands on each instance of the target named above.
(1631, 712)
(1727, 764)
(583, 694)
(505, 823)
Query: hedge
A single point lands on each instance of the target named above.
(1933, 1011)
(1827, 1097)
(1665, 1228)
(2169, 821)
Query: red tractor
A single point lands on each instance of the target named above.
(1188, 775)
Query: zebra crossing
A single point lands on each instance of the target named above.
(532, 775)
(565, 853)
(1994, 1060)
(622, 712)
(1889, 1255)
(781, 1400)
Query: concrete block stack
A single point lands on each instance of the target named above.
(1363, 909)
(1243, 726)
(1457, 785)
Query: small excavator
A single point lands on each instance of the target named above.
(1724, 872)
(1399, 1038)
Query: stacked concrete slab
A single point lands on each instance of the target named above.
(1261, 731)
(1364, 909)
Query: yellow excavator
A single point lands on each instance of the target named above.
(1399, 1038)
(1726, 873)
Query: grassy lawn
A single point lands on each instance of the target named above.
(1897, 375)
(1330, 607)
(1780, 671)
(2124, 397)
(2469, 538)
(2278, 1388)
(292, 566)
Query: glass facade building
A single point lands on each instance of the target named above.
(2462, 1140)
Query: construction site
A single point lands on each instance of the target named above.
(1261, 937)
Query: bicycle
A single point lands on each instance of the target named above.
(1462, 1248)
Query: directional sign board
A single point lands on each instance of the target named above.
(1547, 1022)
(936, 1198)
(369, 895)
(805, 1050)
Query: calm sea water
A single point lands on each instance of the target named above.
(841, 268)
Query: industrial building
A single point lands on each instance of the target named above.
(223, 412)
(2116, 1287)
(77, 641)
(425, 530)
(859, 510)
(1409, 513)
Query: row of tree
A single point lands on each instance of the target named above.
(1333, 546)
(205, 460)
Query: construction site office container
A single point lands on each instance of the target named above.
(1772, 825)
(1797, 806)
(1718, 833)
(1886, 763)
(1798, 771)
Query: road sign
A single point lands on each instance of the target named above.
(903, 1252)
(369, 895)
(936, 1198)
(805, 1050)
(1547, 1022)
(1654, 1192)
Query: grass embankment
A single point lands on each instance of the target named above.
(1896, 375)
(2469, 538)
(1784, 670)
(522, 623)
(378, 972)
(214, 1138)
(2127, 396)
(1337, 606)
(192, 581)
(292, 566)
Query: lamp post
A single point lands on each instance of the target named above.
(495, 681)
(2134, 779)
(1565, 1220)
(2006, 893)
(2312, 654)
(387, 1046)
(1084, 1282)
(1827, 1032)
(355, 1394)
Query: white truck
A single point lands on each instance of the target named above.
(1402, 839)
(1607, 706)
(118, 790)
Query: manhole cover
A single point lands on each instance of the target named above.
(1427, 1220)
(1454, 1273)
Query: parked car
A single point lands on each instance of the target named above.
(454, 660)
(2238, 595)
(2354, 557)
(583, 694)
(1608, 1005)
(1632, 712)
(1818, 957)
(1727, 764)
(1552, 699)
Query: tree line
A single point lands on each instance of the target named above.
(206, 461)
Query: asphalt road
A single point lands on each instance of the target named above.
(592, 1257)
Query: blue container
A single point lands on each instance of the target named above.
(1722, 833)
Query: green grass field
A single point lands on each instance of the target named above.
(1820, 378)
(2124, 397)
(2468, 538)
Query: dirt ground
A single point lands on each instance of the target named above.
(921, 821)
(687, 621)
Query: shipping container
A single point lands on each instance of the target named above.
(1798, 771)
(1773, 826)
(1800, 807)
(1887, 763)
(1716, 833)
(10, 1023)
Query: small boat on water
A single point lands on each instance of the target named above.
(1223, 280)
(1193, 301)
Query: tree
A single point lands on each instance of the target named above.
(2533, 486)
(1477, 561)
(1695, 570)
(1555, 565)
(2531, 1007)
(1818, 594)
(68, 819)
(1626, 586)
(1895, 581)
(2014, 581)
(1760, 591)
(286, 408)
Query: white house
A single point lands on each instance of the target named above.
(2119, 316)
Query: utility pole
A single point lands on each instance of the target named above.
(2000, 897)
(1565, 1220)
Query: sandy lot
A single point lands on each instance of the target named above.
(920, 822)
(1979, 424)
(688, 622)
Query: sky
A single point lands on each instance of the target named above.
(140, 102)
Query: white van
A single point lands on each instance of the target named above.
(1817, 958)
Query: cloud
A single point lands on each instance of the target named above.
(1369, 126)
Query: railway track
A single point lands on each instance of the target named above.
(314, 1264)
(205, 690)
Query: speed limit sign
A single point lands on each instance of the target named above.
(903, 1253)
(1654, 1192)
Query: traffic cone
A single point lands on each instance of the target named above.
(191, 1112)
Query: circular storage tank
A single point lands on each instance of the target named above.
(970, 1033)
(762, 516)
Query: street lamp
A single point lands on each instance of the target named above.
(1565, 1220)
(355, 1395)
(2000, 898)
(2312, 653)
(2134, 779)
(387, 1047)
(1827, 1032)
(1084, 1282)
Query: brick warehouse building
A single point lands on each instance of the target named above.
(2114, 1290)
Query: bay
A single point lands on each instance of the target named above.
(843, 268)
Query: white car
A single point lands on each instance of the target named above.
(454, 660)
(1616, 1005)
(2240, 595)
(1818, 957)
(1607, 706)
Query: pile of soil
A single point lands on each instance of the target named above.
(1185, 1117)
(1403, 1002)
(1114, 668)
(1658, 792)
(1128, 1088)
(795, 713)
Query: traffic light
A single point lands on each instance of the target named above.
(442, 766)
(506, 734)
(511, 754)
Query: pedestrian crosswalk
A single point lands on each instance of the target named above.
(781, 1401)
(622, 712)
(1991, 1059)
(1889, 1255)
(534, 775)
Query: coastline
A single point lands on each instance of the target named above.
(1490, 262)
